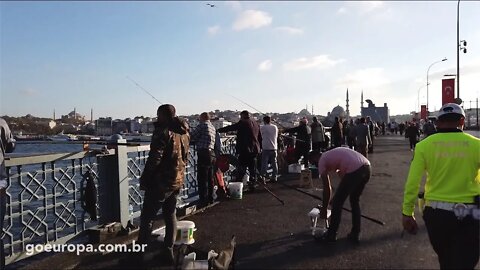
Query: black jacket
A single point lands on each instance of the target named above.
(303, 135)
(248, 136)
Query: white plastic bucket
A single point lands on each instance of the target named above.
(185, 231)
(236, 190)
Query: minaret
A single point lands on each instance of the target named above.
(313, 114)
(75, 113)
(361, 102)
(347, 111)
(361, 98)
(91, 115)
(53, 114)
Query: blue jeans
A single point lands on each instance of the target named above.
(269, 156)
(3, 208)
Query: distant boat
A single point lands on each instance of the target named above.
(89, 138)
(137, 137)
(62, 137)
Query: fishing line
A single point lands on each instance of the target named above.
(145, 90)
(283, 135)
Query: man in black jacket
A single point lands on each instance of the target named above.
(248, 145)
(303, 140)
(412, 133)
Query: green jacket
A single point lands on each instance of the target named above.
(451, 160)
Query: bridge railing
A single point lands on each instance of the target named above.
(44, 191)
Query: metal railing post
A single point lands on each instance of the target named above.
(113, 186)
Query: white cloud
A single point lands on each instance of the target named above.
(252, 19)
(368, 6)
(235, 5)
(213, 30)
(215, 102)
(290, 30)
(342, 10)
(361, 7)
(265, 65)
(29, 92)
(367, 79)
(320, 62)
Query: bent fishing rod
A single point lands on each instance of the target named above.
(346, 209)
(145, 90)
(286, 136)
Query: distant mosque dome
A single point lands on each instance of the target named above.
(304, 112)
(338, 111)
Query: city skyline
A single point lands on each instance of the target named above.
(277, 56)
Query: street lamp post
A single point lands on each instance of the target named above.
(418, 97)
(458, 49)
(461, 46)
(428, 70)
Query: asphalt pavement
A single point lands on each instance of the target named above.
(271, 235)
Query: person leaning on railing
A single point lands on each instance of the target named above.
(451, 160)
(7, 145)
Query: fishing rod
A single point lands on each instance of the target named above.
(271, 192)
(286, 136)
(145, 90)
(346, 209)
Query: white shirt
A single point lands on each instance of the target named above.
(269, 136)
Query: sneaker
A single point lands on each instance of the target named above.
(326, 238)
(352, 237)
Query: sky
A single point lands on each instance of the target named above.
(276, 56)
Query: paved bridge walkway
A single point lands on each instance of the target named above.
(274, 236)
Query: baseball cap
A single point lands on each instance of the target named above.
(450, 108)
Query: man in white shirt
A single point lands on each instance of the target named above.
(269, 147)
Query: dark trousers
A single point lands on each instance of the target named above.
(205, 163)
(336, 141)
(455, 241)
(350, 142)
(317, 146)
(362, 149)
(351, 185)
(302, 150)
(152, 202)
(413, 142)
(247, 160)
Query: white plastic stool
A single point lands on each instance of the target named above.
(314, 215)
